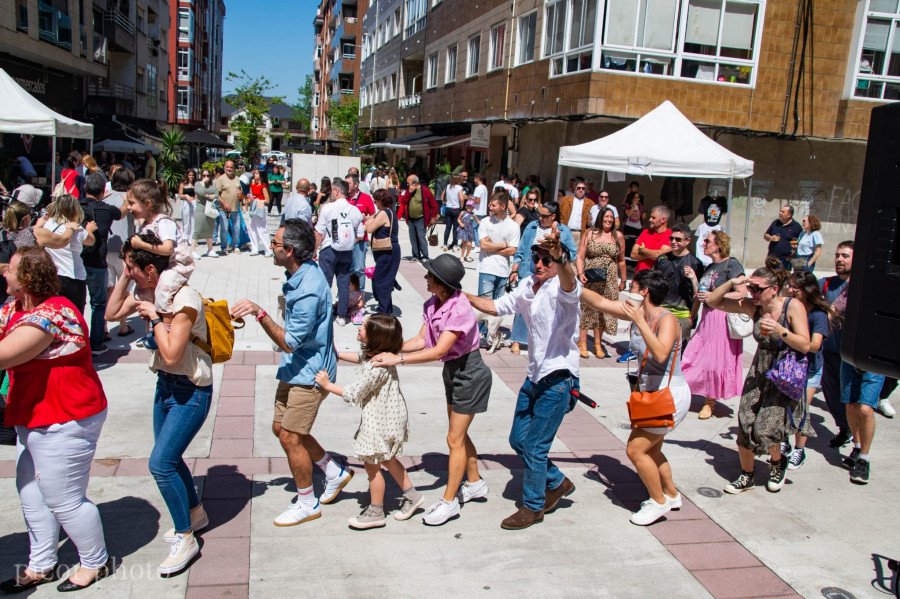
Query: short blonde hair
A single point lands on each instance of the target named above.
(65, 209)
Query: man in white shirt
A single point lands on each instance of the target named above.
(499, 237)
(297, 204)
(480, 197)
(550, 303)
(339, 227)
(508, 183)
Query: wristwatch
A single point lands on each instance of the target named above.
(784, 334)
(563, 259)
(155, 322)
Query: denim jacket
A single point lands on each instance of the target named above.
(523, 252)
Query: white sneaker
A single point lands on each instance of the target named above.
(341, 321)
(469, 491)
(650, 512)
(369, 518)
(195, 255)
(441, 511)
(199, 521)
(408, 507)
(298, 514)
(183, 550)
(886, 409)
(334, 486)
(674, 502)
(212, 254)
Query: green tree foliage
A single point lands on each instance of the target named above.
(341, 119)
(302, 110)
(171, 157)
(252, 104)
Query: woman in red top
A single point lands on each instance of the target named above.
(58, 407)
(69, 177)
(258, 202)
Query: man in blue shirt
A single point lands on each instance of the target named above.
(308, 346)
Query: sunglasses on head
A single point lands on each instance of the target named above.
(538, 259)
(756, 289)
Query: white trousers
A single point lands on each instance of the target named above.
(187, 218)
(259, 235)
(53, 466)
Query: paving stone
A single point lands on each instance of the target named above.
(222, 561)
(675, 532)
(740, 583)
(713, 556)
(239, 372)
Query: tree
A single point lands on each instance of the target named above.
(253, 105)
(171, 158)
(342, 118)
(302, 110)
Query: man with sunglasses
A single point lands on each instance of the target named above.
(574, 210)
(683, 271)
(550, 303)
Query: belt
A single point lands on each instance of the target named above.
(563, 372)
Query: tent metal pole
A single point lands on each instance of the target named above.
(558, 175)
(728, 214)
(53, 168)
(747, 221)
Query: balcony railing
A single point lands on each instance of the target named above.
(119, 30)
(54, 26)
(411, 100)
(109, 89)
(117, 19)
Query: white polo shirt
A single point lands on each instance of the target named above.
(552, 316)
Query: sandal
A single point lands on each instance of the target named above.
(125, 332)
(514, 349)
(600, 352)
(582, 347)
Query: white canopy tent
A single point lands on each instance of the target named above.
(663, 143)
(23, 113)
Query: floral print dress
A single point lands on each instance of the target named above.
(384, 425)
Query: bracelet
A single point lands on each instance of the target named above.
(262, 315)
(402, 363)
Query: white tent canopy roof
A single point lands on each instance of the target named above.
(663, 143)
(22, 113)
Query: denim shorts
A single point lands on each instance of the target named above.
(860, 387)
(814, 380)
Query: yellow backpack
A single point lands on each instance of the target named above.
(219, 343)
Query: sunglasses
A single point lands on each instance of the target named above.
(581, 188)
(603, 195)
(756, 289)
(707, 242)
(544, 215)
(678, 239)
(538, 259)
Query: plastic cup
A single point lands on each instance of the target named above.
(635, 299)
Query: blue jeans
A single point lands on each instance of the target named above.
(96, 285)
(337, 264)
(179, 410)
(540, 409)
(417, 238)
(831, 388)
(359, 262)
(860, 387)
(229, 223)
(491, 286)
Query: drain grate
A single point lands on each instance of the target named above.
(709, 492)
(836, 593)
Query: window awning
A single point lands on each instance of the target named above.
(402, 143)
(441, 141)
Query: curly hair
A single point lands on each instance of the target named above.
(143, 258)
(724, 243)
(383, 198)
(37, 272)
(814, 223)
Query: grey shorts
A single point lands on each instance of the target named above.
(467, 383)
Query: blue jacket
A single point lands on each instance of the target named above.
(523, 252)
(307, 327)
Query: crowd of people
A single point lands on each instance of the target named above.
(559, 265)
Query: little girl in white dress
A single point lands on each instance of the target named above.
(383, 427)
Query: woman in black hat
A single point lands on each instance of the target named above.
(450, 335)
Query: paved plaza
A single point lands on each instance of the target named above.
(819, 531)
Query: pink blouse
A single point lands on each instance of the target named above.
(456, 315)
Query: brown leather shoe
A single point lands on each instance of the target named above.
(522, 519)
(552, 496)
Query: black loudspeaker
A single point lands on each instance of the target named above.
(871, 338)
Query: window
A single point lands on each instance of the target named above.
(432, 70)
(393, 86)
(474, 56)
(315, 123)
(316, 99)
(151, 85)
(142, 19)
(525, 52)
(569, 35)
(878, 68)
(396, 22)
(348, 50)
(185, 25)
(140, 85)
(498, 36)
(450, 75)
(164, 40)
(183, 102)
(184, 64)
(415, 16)
(716, 30)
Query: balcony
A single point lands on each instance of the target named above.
(410, 101)
(104, 88)
(120, 31)
(54, 26)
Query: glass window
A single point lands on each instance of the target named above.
(474, 56)
(555, 27)
(432, 70)
(415, 16)
(527, 25)
(878, 68)
(450, 76)
(498, 37)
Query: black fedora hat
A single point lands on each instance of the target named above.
(447, 269)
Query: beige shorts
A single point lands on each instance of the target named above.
(296, 406)
(115, 268)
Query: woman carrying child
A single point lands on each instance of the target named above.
(383, 427)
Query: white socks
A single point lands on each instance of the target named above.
(329, 467)
(306, 497)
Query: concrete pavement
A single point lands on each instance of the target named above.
(819, 531)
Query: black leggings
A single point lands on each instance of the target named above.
(275, 200)
(450, 216)
(75, 291)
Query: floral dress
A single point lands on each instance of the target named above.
(601, 255)
(763, 412)
(384, 425)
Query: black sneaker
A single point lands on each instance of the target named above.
(777, 475)
(796, 459)
(859, 474)
(842, 438)
(785, 448)
(743, 483)
(850, 460)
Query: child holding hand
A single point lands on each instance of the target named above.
(383, 427)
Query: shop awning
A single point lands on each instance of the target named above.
(402, 143)
(440, 141)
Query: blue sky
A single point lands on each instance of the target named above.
(272, 39)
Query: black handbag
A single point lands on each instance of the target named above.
(595, 275)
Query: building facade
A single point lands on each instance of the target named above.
(781, 84)
(278, 132)
(336, 61)
(195, 63)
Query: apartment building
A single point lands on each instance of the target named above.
(336, 61)
(196, 64)
(502, 85)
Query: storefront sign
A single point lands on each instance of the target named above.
(480, 136)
